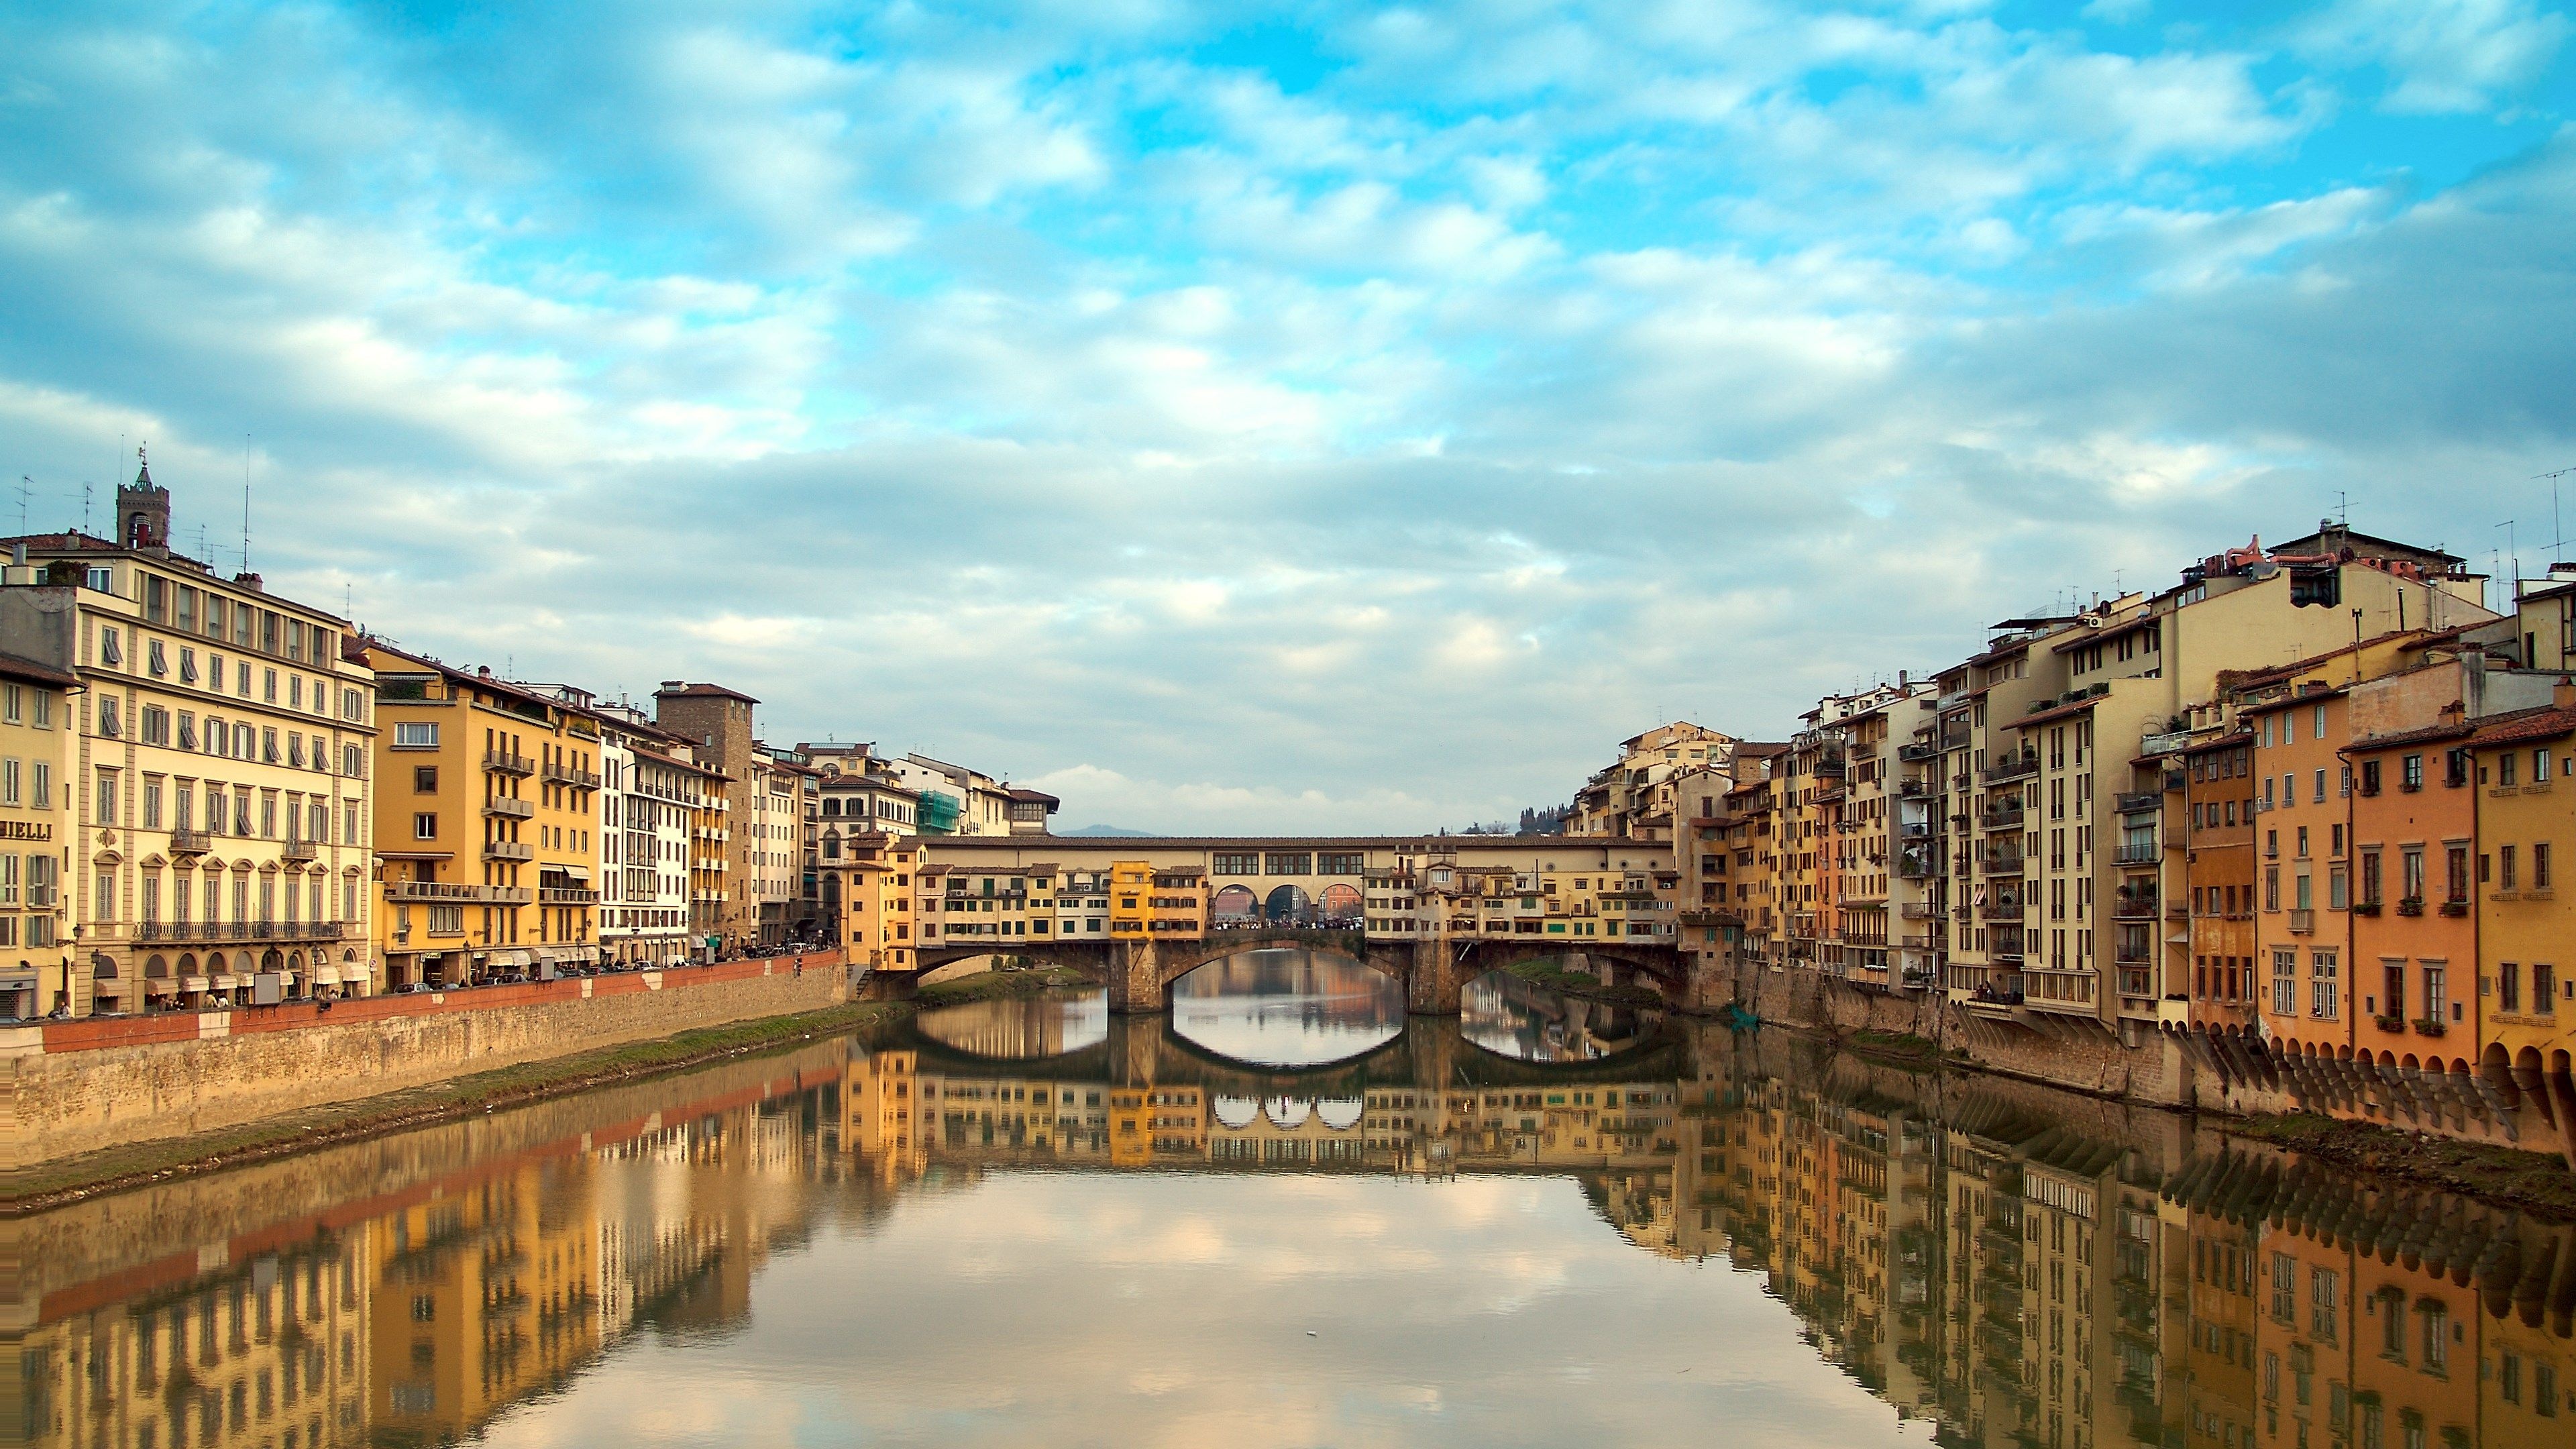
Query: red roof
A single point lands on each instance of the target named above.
(703, 691)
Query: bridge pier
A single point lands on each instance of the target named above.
(1135, 977)
(1431, 985)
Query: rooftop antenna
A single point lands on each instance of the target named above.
(2557, 528)
(87, 489)
(2513, 558)
(25, 486)
(2343, 508)
(245, 568)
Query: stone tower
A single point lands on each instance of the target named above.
(719, 721)
(143, 510)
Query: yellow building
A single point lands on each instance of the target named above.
(487, 823)
(214, 791)
(35, 729)
(876, 891)
(2525, 774)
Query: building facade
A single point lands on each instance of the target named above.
(215, 802)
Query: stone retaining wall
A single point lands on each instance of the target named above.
(79, 1086)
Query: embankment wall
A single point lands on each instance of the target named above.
(79, 1086)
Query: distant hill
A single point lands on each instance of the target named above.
(1103, 830)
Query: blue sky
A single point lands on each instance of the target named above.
(1296, 418)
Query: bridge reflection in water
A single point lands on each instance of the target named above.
(2012, 1265)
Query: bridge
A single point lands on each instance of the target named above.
(1136, 914)
(1139, 974)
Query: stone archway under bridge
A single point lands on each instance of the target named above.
(1139, 972)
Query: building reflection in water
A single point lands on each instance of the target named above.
(2016, 1266)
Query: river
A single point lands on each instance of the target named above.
(1286, 1215)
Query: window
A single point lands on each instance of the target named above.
(2411, 873)
(107, 721)
(2435, 999)
(424, 779)
(2370, 881)
(151, 802)
(106, 797)
(2544, 989)
(2323, 1002)
(2285, 983)
(424, 826)
(2321, 787)
(2540, 876)
(2508, 986)
(2505, 863)
(416, 735)
(156, 725)
(2410, 773)
(187, 665)
(353, 761)
(2455, 864)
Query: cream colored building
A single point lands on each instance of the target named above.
(35, 734)
(217, 782)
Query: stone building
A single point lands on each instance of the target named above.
(214, 792)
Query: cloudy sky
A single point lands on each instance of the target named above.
(1329, 418)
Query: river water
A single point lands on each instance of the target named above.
(1285, 1215)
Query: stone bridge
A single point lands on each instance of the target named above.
(1139, 972)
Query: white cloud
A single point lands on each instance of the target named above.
(2439, 55)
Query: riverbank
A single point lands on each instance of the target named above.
(1585, 987)
(54, 1184)
(2536, 1182)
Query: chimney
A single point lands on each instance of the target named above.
(2562, 695)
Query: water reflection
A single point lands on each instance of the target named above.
(1288, 1008)
(1709, 1236)
(1021, 1028)
(1502, 1013)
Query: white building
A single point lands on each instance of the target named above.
(650, 785)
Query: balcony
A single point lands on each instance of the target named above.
(2134, 907)
(236, 931)
(1917, 830)
(2136, 981)
(2000, 910)
(453, 892)
(297, 850)
(1918, 864)
(1916, 754)
(566, 896)
(2138, 803)
(556, 774)
(2303, 921)
(2139, 852)
(508, 850)
(2017, 767)
(1922, 911)
(510, 807)
(2003, 817)
(190, 842)
(1914, 789)
(502, 762)
(2000, 862)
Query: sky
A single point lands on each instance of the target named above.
(1280, 419)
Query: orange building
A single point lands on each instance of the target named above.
(2302, 811)
(2218, 810)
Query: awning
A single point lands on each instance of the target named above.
(17, 980)
(574, 872)
(326, 975)
(196, 983)
(509, 958)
